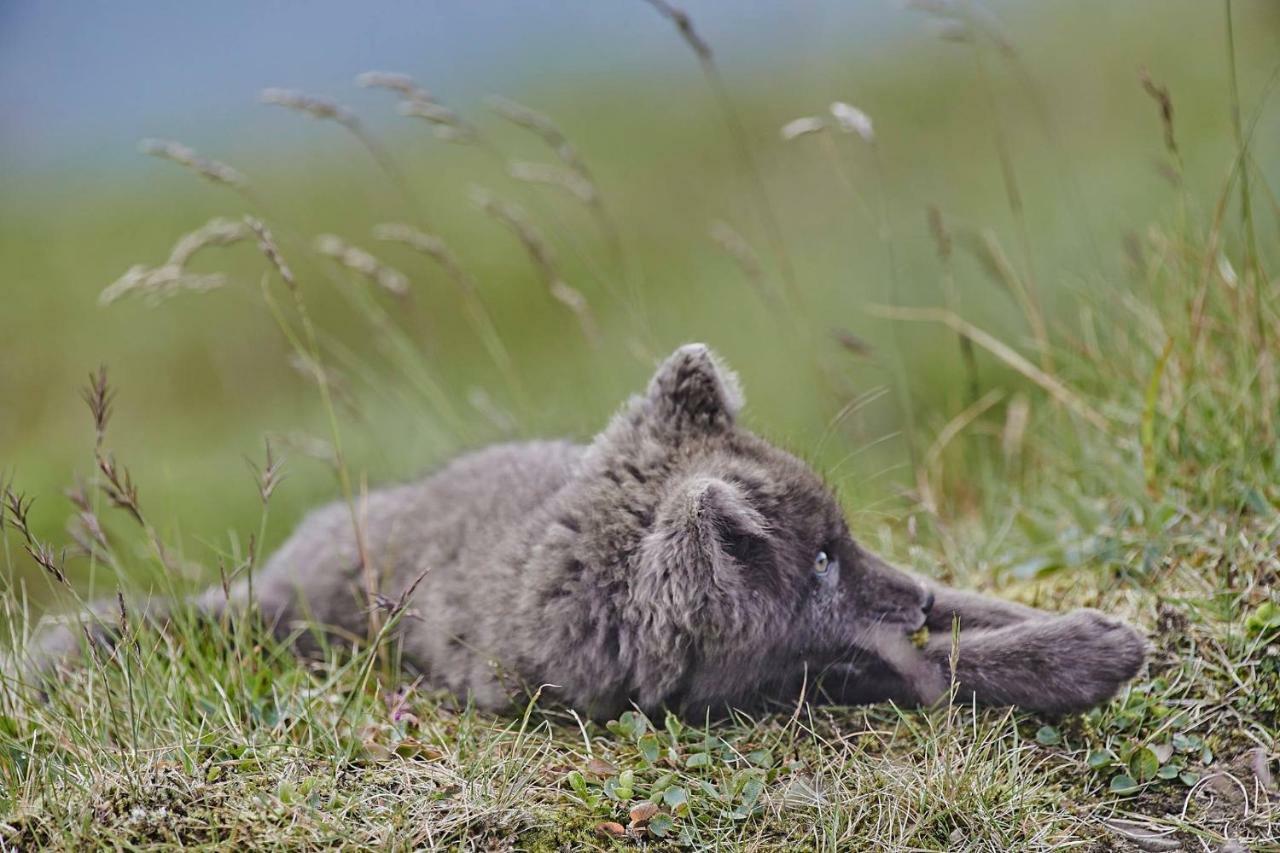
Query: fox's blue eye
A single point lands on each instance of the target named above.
(822, 564)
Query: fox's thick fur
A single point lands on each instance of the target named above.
(676, 561)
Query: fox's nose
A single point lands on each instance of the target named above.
(927, 604)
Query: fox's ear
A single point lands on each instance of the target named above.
(693, 391)
(692, 581)
(706, 530)
(691, 394)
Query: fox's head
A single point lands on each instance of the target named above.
(742, 573)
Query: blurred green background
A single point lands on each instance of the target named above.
(1052, 88)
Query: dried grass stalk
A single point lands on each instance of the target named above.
(851, 343)
(312, 105)
(430, 245)
(1160, 94)
(217, 232)
(1012, 436)
(684, 24)
(736, 246)
(401, 84)
(575, 178)
(986, 248)
(544, 128)
(482, 321)
(212, 170)
(1054, 387)
(569, 180)
(802, 126)
(358, 260)
(267, 244)
(850, 119)
(446, 124)
(544, 259)
(930, 472)
(156, 284)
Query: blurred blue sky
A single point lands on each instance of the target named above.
(80, 82)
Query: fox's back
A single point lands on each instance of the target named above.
(448, 527)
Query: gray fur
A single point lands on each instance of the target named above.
(669, 563)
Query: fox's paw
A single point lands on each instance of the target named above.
(1090, 656)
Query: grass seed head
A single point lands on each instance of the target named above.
(156, 284)
(684, 24)
(736, 246)
(541, 126)
(401, 84)
(269, 475)
(427, 244)
(217, 232)
(446, 124)
(850, 119)
(938, 230)
(802, 126)
(1160, 94)
(358, 260)
(569, 180)
(267, 244)
(316, 107)
(212, 170)
(99, 396)
(542, 256)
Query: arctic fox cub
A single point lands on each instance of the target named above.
(677, 561)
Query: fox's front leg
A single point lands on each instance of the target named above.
(1056, 664)
(975, 610)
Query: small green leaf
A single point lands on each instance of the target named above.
(675, 797)
(1187, 743)
(1264, 619)
(649, 747)
(1169, 771)
(761, 758)
(1122, 783)
(1143, 764)
(1206, 756)
(1048, 736)
(698, 759)
(1189, 777)
(751, 791)
(662, 783)
(635, 724)
(578, 783)
(1100, 758)
(674, 727)
(625, 786)
(629, 725)
(661, 824)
